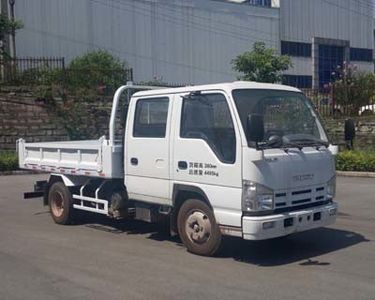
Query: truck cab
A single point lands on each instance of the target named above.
(245, 159)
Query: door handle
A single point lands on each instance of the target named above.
(182, 165)
(134, 161)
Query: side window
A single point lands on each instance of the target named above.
(151, 118)
(207, 117)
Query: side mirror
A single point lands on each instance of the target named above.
(255, 128)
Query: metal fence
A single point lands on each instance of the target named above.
(46, 70)
(13, 70)
(322, 101)
(325, 103)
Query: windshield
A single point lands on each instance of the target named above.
(288, 118)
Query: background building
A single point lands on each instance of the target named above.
(194, 41)
(322, 34)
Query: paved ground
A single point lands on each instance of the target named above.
(100, 259)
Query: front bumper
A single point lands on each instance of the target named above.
(267, 227)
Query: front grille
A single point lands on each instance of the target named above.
(299, 207)
(296, 199)
(280, 195)
(301, 201)
(301, 192)
(299, 196)
(287, 209)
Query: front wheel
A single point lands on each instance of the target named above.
(198, 229)
(60, 203)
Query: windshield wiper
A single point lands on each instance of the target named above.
(292, 144)
(273, 142)
(278, 143)
(304, 140)
(313, 143)
(298, 141)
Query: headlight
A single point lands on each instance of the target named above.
(331, 188)
(256, 197)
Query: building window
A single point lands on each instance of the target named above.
(330, 58)
(151, 118)
(359, 54)
(295, 49)
(260, 2)
(299, 81)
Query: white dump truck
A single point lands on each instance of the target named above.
(243, 159)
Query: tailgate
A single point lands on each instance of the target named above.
(77, 156)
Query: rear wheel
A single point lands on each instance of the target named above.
(119, 204)
(198, 229)
(60, 203)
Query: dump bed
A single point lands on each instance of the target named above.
(97, 158)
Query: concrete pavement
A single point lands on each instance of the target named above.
(103, 259)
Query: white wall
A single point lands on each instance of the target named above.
(301, 66)
(191, 41)
(364, 66)
(350, 20)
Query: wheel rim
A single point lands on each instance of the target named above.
(198, 227)
(57, 204)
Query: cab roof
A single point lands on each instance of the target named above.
(226, 86)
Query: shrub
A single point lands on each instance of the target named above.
(42, 76)
(69, 92)
(8, 161)
(96, 69)
(356, 161)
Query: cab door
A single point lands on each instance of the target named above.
(147, 150)
(207, 151)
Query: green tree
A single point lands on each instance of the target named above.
(96, 69)
(353, 88)
(261, 64)
(6, 27)
(70, 92)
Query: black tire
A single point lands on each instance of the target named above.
(60, 203)
(198, 229)
(119, 204)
